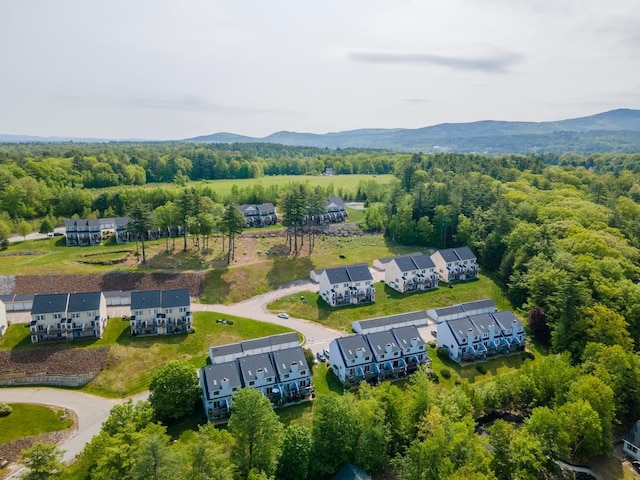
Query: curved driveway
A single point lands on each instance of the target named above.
(92, 410)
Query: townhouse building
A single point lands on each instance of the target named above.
(160, 312)
(409, 273)
(67, 316)
(259, 215)
(352, 360)
(454, 264)
(90, 232)
(3, 318)
(475, 337)
(348, 285)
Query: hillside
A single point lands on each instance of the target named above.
(613, 131)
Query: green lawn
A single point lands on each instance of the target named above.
(388, 302)
(133, 361)
(26, 420)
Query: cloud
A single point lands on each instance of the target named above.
(498, 63)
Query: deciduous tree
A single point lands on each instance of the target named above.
(174, 389)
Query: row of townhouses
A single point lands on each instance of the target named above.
(476, 337)
(275, 365)
(353, 284)
(261, 215)
(76, 316)
(377, 356)
(68, 316)
(89, 232)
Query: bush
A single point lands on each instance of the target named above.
(458, 382)
(446, 374)
(433, 376)
(443, 352)
(5, 410)
(481, 369)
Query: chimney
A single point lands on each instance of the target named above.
(224, 383)
(294, 367)
(388, 348)
(359, 352)
(470, 336)
(260, 373)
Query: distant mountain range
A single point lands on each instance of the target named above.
(613, 131)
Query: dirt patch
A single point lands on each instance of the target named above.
(112, 281)
(53, 361)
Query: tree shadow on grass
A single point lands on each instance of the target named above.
(288, 269)
(215, 288)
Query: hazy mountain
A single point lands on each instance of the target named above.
(617, 130)
(614, 131)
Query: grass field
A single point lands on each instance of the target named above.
(132, 362)
(26, 420)
(388, 302)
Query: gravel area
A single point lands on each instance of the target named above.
(52, 361)
(7, 284)
(113, 281)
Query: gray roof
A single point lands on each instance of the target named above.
(175, 298)
(465, 253)
(484, 322)
(228, 349)
(262, 342)
(117, 293)
(83, 302)
(478, 305)
(266, 208)
(337, 275)
(214, 374)
(27, 297)
(49, 303)
(405, 264)
(460, 326)
(380, 340)
(505, 318)
(423, 261)
(141, 299)
(281, 338)
(251, 364)
(6, 298)
(448, 255)
(359, 272)
(284, 359)
(452, 310)
(349, 345)
(337, 201)
(392, 319)
(404, 336)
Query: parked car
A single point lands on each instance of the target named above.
(57, 234)
(321, 357)
(283, 315)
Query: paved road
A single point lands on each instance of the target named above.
(90, 410)
(34, 235)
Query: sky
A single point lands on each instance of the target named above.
(159, 69)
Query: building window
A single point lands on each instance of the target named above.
(251, 383)
(217, 392)
(169, 310)
(286, 375)
(57, 316)
(182, 309)
(303, 372)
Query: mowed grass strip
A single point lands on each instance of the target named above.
(388, 302)
(27, 420)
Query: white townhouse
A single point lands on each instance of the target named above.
(476, 336)
(257, 371)
(294, 375)
(631, 445)
(414, 348)
(84, 232)
(348, 285)
(512, 329)
(65, 316)
(387, 354)
(352, 360)
(3, 319)
(454, 264)
(219, 383)
(160, 312)
(409, 273)
(233, 351)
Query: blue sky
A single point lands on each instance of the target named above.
(176, 69)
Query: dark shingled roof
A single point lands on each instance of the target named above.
(359, 272)
(423, 261)
(448, 254)
(460, 326)
(380, 340)
(405, 335)
(283, 360)
(393, 319)
(49, 303)
(83, 302)
(228, 349)
(141, 299)
(405, 264)
(349, 345)
(505, 319)
(251, 364)
(213, 375)
(465, 253)
(479, 305)
(484, 322)
(176, 298)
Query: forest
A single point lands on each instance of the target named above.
(559, 233)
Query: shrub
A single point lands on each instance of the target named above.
(443, 352)
(446, 374)
(5, 410)
(481, 369)
(458, 382)
(433, 376)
